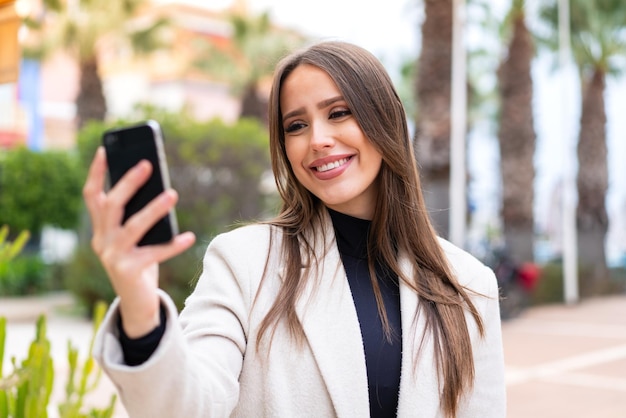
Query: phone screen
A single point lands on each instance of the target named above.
(125, 147)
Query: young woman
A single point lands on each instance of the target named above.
(346, 304)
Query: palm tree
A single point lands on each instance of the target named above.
(80, 27)
(433, 90)
(255, 48)
(517, 136)
(598, 46)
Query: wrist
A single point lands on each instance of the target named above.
(139, 318)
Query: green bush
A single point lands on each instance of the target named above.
(87, 280)
(20, 274)
(39, 188)
(618, 277)
(549, 288)
(217, 170)
(25, 275)
(550, 285)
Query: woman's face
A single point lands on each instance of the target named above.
(326, 147)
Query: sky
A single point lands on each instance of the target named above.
(390, 29)
(386, 28)
(371, 24)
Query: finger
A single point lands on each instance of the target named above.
(130, 182)
(124, 190)
(94, 184)
(129, 263)
(180, 243)
(138, 224)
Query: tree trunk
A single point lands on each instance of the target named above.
(252, 106)
(432, 137)
(90, 102)
(517, 143)
(592, 182)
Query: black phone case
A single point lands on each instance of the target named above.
(125, 147)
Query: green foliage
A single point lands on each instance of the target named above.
(549, 287)
(26, 274)
(19, 274)
(9, 250)
(256, 48)
(217, 170)
(618, 275)
(39, 188)
(85, 278)
(25, 393)
(550, 284)
(83, 380)
(597, 33)
(79, 33)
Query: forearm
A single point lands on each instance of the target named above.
(175, 380)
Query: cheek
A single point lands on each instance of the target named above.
(371, 154)
(290, 157)
(294, 155)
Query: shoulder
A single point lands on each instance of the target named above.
(234, 261)
(469, 271)
(247, 235)
(247, 243)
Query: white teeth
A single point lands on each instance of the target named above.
(332, 165)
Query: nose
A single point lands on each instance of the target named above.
(321, 137)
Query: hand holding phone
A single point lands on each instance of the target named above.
(126, 147)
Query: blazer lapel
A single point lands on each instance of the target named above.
(328, 316)
(419, 386)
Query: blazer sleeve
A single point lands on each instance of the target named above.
(195, 369)
(488, 395)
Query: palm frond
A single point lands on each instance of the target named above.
(150, 38)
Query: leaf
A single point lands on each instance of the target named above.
(3, 333)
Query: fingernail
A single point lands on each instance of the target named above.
(186, 238)
(167, 196)
(141, 166)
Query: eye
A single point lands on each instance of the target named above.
(294, 126)
(339, 113)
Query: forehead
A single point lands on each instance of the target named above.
(305, 83)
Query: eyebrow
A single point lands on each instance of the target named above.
(320, 105)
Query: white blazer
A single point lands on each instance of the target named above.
(209, 364)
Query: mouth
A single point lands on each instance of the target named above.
(331, 165)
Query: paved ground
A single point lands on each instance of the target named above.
(561, 361)
(568, 361)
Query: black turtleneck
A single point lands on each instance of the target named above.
(382, 357)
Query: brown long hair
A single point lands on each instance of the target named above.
(400, 223)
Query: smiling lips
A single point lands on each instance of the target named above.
(329, 166)
(331, 169)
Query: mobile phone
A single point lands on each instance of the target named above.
(125, 147)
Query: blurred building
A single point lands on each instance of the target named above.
(12, 121)
(38, 107)
(167, 78)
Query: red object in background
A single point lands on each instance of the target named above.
(10, 139)
(529, 275)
